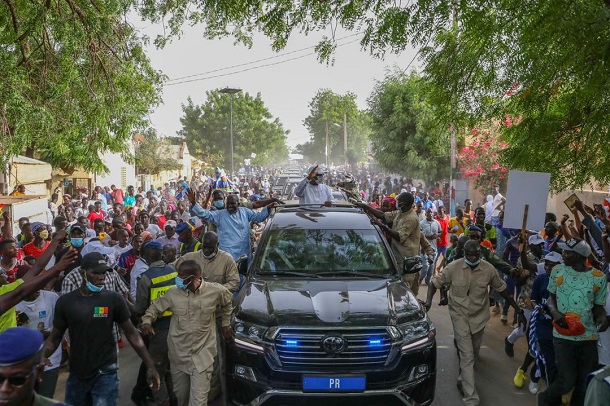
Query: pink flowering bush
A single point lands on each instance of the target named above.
(480, 161)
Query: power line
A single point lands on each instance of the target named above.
(252, 62)
(252, 68)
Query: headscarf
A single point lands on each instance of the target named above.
(392, 202)
(37, 225)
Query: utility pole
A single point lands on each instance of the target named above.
(326, 149)
(452, 204)
(231, 92)
(345, 136)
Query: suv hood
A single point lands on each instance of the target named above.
(291, 302)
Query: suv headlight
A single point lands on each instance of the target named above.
(252, 336)
(413, 334)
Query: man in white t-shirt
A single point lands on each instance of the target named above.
(36, 312)
(498, 202)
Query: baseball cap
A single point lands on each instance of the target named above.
(78, 226)
(553, 257)
(413, 189)
(182, 227)
(577, 245)
(171, 223)
(320, 171)
(535, 239)
(94, 262)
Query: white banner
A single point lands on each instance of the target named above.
(530, 188)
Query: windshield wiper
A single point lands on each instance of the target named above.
(355, 273)
(288, 273)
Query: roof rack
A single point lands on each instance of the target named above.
(315, 206)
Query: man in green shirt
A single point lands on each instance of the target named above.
(577, 294)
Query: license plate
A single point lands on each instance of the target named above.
(334, 383)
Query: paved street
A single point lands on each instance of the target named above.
(494, 370)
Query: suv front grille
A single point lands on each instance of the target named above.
(368, 348)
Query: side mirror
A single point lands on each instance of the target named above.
(242, 265)
(412, 265)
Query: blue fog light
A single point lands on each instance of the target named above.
(375, 342)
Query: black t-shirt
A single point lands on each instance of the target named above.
(89, 321)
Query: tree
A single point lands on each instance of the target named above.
(206, 130)
(153, 155)
(407, 138)
(331, 111)
(551, 55)
(75, 81)
(480, 160)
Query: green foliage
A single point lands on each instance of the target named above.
(153, 155)
(407, 138)
(331, 110)
(555, 51)
(75, 81)
(206, 130)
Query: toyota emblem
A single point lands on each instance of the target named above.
(334, 344)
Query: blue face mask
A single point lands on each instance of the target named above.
(93, 288)
(219, 204)
(77, 242)
(180, 283)
(477, 262)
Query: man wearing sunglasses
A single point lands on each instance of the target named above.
(20, 354)
(88, 314)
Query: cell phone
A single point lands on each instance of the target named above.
(571, 201)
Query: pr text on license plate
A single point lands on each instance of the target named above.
(334, 383)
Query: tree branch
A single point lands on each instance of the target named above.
(23, 47)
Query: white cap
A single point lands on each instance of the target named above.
(535, 239)
(553, 257)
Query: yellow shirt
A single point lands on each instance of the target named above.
(9, 318)
(453, 221)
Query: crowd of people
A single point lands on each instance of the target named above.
(105, 271)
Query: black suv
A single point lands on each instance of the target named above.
(324, 318)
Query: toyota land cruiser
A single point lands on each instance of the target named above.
(324, 317)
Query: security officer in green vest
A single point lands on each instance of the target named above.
(598, 390)
(158, 279)
(188, 243)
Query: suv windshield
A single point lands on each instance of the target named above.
(321, 251)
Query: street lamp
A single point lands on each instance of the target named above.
(231, 92)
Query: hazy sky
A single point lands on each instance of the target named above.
(286, 87)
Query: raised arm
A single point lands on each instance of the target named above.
(10, 299)
(374, 212)
(44, 259)
(7, 230)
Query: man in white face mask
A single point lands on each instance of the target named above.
(468, 280)
(218, 266)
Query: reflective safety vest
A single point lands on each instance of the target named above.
(182, 252)
(163, 279)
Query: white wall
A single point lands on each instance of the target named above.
(121, 173)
